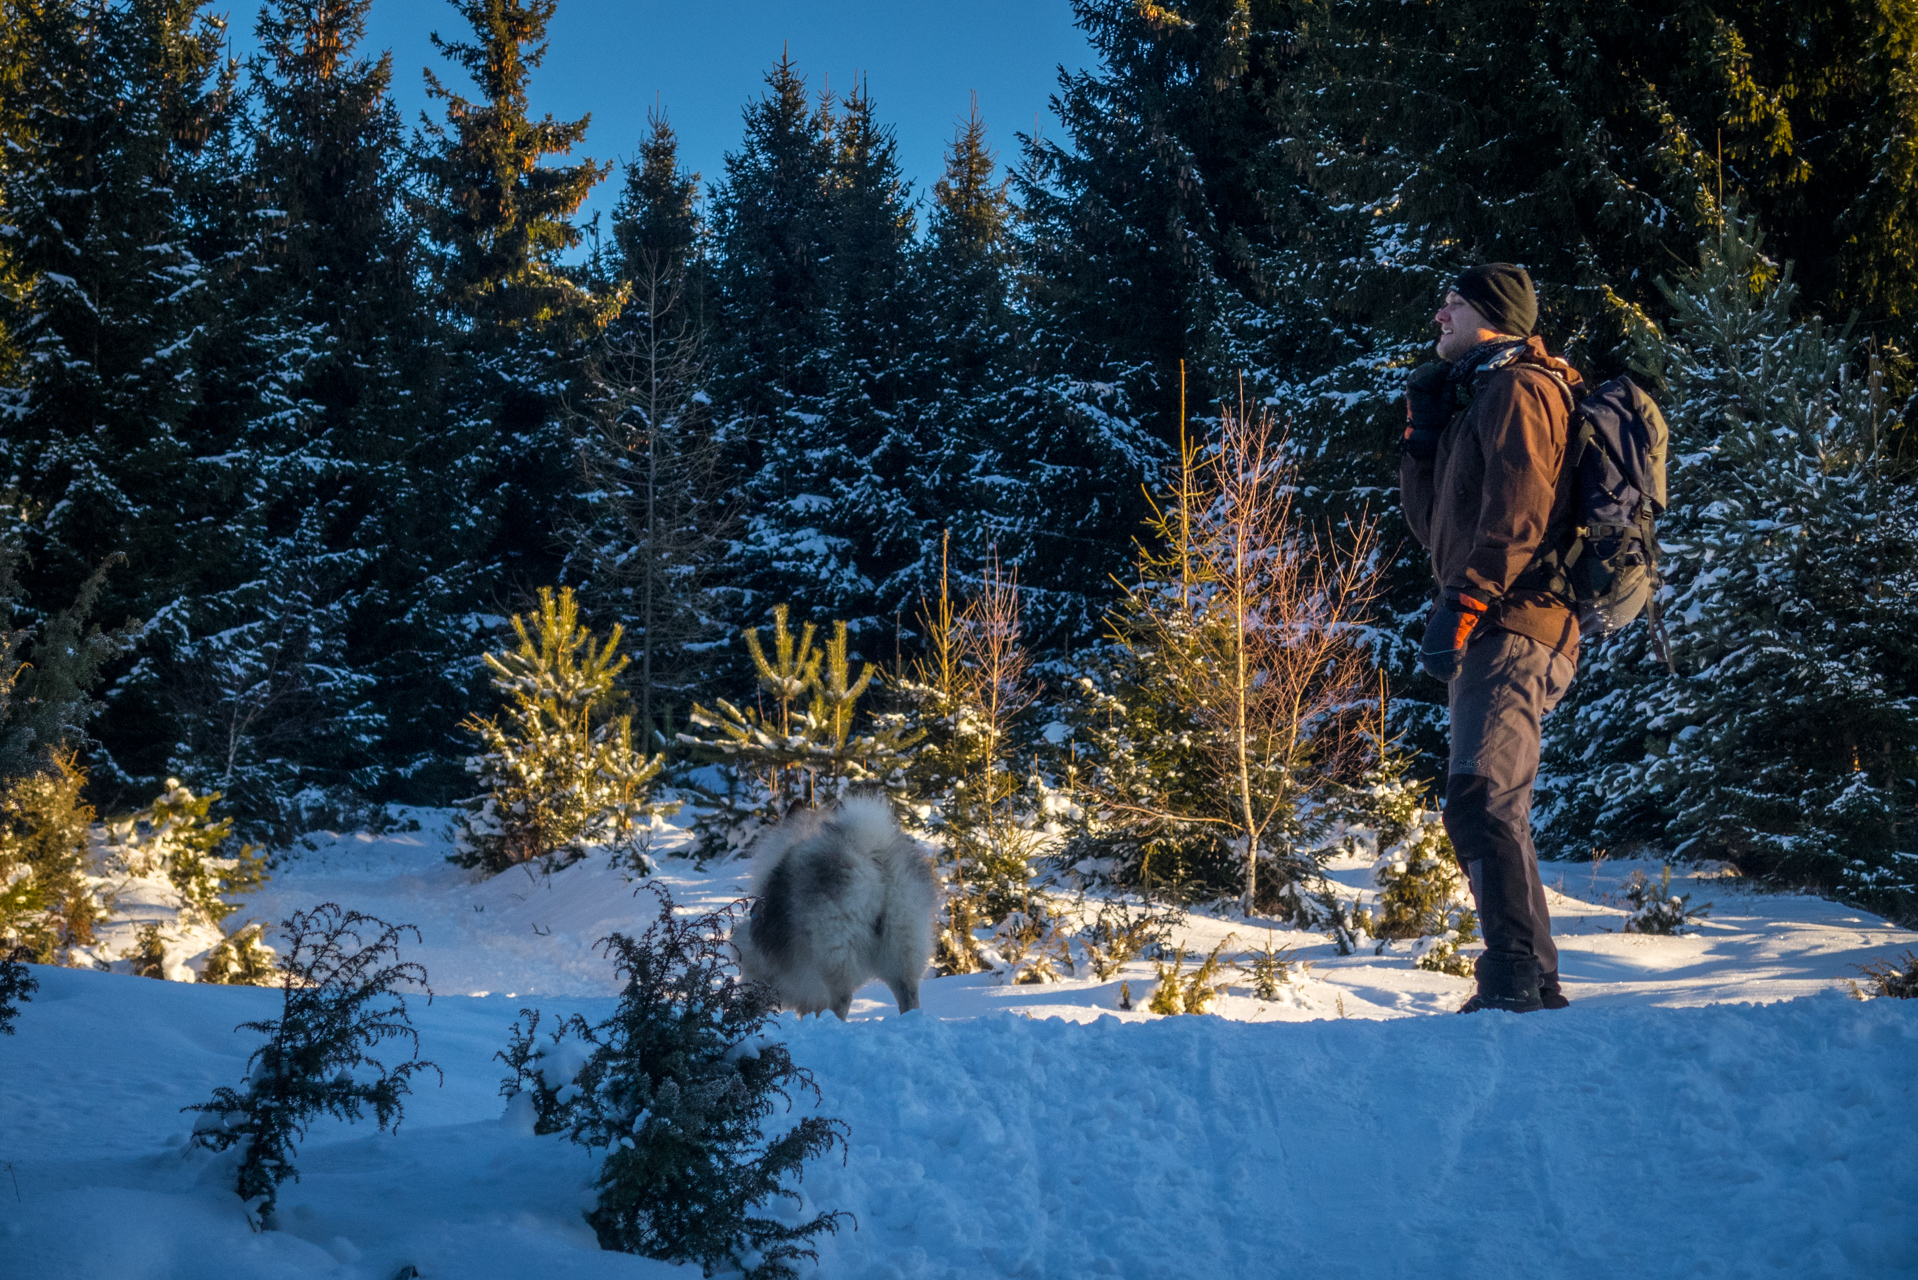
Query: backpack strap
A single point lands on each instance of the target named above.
(1551, 566)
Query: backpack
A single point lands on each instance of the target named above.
(1607, 569)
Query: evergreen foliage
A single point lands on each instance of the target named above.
(657, 515)
(1271, 969)
(17, 985)
(344, 989)
(48, 902)
(1122, 931)
(499, 214)
(967, 698)
(1655, 908)
(1784, 743)
(802, 752)
(177, 837)
(314, 372)
(1181, 992)
(335, 396)
(105, 446)
(676, 1092)
(813, 226)
(562, 773)
(47, 672)
(496, 209)
(1423, 896)
(243, 959)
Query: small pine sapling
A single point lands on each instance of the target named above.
(1888, 978)
(800, 753)
(148, 957)
(1655, 909)
(176, 835)
(343, 998)
(968, 696)
(1168, 997)
(560, 772)
(957, 950)
(1271, 969)
(1121, 932)
(242, 959)
(1423, 898)
(1032, 946)
(676, 1091)
(1205, 982)
(17, 985)
(49, 901)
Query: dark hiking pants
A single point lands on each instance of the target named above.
(1508, 684)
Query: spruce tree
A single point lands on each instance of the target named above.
(498, 217)
(968, 494)
(652, 526)
(772, 294)
(1784, 739)
(814, 228)
(107, 449)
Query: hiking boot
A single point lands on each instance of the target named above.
(1510, 985)
(1549, 995)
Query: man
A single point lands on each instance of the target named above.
(1482, 477)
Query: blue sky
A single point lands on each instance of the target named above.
(922, 60)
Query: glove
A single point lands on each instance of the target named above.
(1428, 408)
(1447, 631)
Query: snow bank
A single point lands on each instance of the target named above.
(1728, 1140)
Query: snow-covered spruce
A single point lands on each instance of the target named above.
(1783, 740)
(343, 982)
(1422, 894)
(1655, 908)
(675, 1087)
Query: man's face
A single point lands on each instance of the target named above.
(1461, 327)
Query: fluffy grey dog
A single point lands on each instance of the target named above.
(842, 897)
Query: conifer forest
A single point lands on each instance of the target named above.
(345, 467)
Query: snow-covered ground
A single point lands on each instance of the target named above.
(1711, 1105)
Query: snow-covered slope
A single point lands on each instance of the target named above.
(1622, 1136)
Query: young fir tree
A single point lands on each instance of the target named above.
(803, 750)
(676, 1091)
(562, 773)
(1784, 739)
(344, 988)
(178, 837)
(49, 900)
(49, 904)
(1242, 643)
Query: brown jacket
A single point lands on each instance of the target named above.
(1498, 491)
